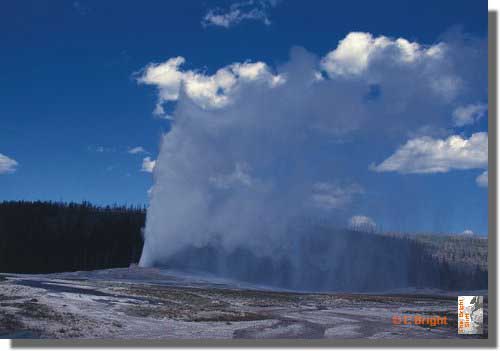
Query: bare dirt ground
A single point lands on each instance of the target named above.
(144, 304)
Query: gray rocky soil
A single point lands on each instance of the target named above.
(135, 303)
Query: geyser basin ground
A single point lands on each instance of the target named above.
(134, 303)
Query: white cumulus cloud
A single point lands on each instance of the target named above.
(362, 56)
(358, 50)
(207, 91)
(7, 165)
(148, 165)
(469, 114)
(429, 155)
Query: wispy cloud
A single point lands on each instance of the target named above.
(101, 148)
(137, 150)
(148, 165)
(239, 177)
(469, 114)
(7, 164)
(81, 8)
(333, 196)
(482, 179)
(251, 10)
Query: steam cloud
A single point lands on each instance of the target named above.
(256, 152)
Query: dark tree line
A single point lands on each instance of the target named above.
(42, 237)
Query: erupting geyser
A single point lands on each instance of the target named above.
(260, 164)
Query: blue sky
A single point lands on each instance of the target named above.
(72, 107)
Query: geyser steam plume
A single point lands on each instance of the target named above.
(257, 156)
